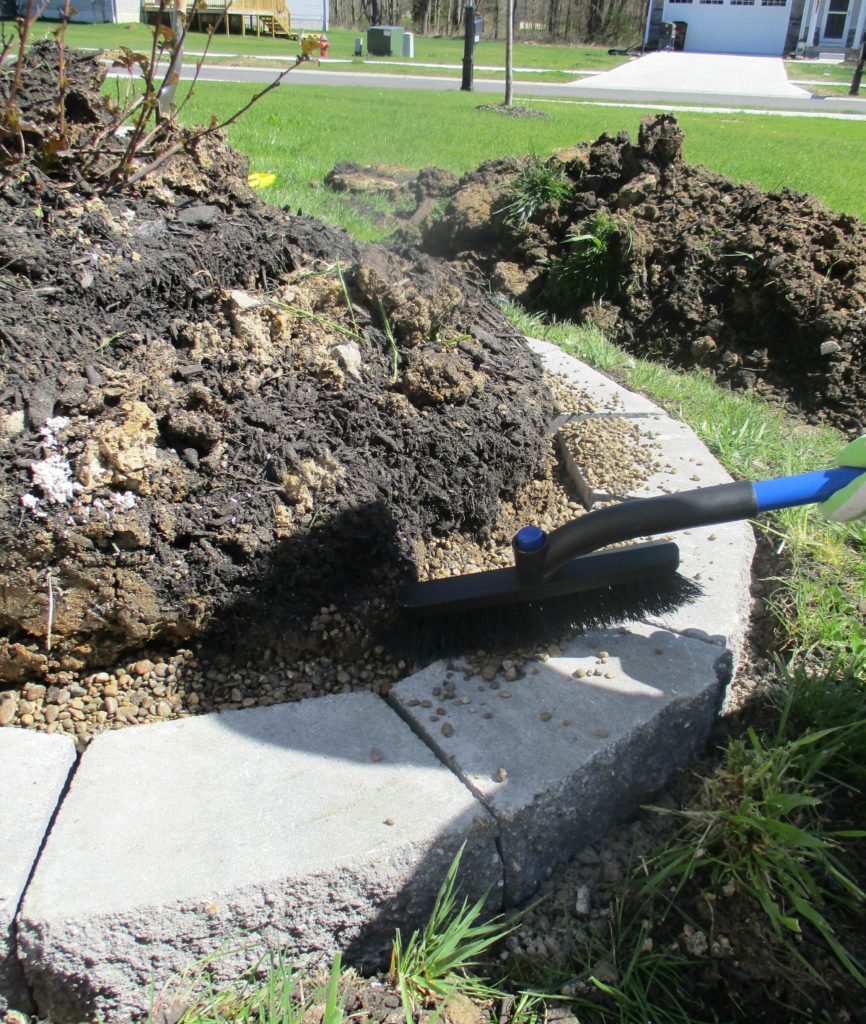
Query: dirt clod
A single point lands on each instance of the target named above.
(765, 289)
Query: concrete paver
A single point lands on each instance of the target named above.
(557, 758)
(311, 827)
(34, 769)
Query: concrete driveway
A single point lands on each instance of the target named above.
(712, 74)
(716, 79)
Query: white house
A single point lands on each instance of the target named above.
(94, 11)
(303, 14)
(770, 27)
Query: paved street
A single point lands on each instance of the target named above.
(708, 80)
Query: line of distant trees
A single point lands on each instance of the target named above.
(613, 22)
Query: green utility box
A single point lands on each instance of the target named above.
(384, 41)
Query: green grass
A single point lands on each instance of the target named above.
(757, 828)
(817, 71)
(586, 271)
(281, 996)
(538, 184)
(300, 133)
(445, 956)
(558, 61)
(437, 963)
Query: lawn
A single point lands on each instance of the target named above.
(532, 61)
(300, 133)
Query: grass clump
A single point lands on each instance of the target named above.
(271, 992)
(624, 977)
(539, 184)
(591, 265)
(758, 828)
(440, 960)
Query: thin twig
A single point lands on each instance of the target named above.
(210, 130)
(147, 104)
(61, 70)
(50, 612)
(168, 87)
(98, 141)
(23, 33)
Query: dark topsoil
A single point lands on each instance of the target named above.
(240, 440)
(767, 290)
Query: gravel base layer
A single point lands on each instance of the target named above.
(162, 684)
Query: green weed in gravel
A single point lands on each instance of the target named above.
(625, 978)
(276, 995)
(439, 960)
(758, 828)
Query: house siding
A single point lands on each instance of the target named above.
(308, 13)
(88, 11)
(725, 27)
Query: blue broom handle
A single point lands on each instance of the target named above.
(805, 489)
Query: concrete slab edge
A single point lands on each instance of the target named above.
(35, 769)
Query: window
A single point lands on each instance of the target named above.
(742, 3)
(837, 16)
(774, 3)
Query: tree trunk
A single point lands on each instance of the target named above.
(168, 92)
(509, 53)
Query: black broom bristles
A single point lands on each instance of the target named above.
(520, 617)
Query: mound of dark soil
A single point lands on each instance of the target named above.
(216, 417)
(766, 289)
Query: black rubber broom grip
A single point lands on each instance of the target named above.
(642, 517)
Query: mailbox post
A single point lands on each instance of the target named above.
(468, 47)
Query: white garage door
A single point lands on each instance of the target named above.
(732, 26)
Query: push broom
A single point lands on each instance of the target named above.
(561, 580)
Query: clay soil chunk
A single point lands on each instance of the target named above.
(558, 758)
(34, 769)
(312, 827)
